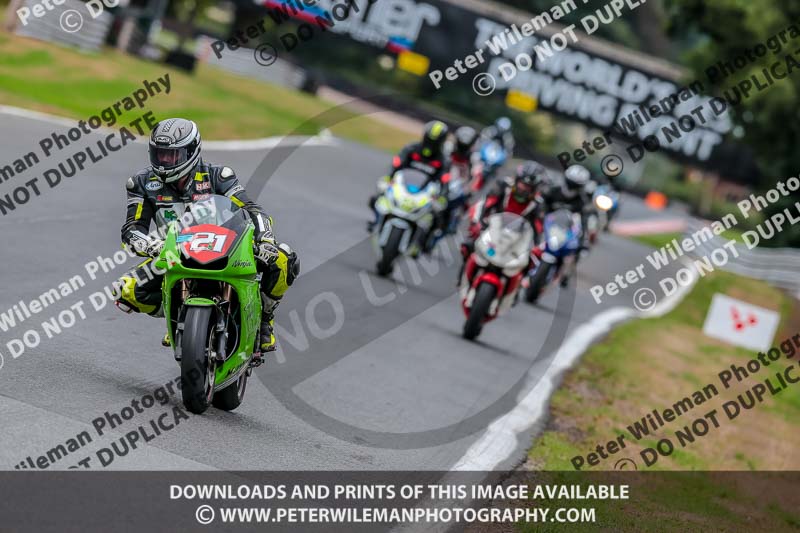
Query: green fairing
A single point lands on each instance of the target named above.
(242, 278)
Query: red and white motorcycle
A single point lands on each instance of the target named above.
(494, 270)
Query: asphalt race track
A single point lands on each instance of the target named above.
(346, 403)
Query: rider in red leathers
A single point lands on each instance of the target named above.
(520, 195)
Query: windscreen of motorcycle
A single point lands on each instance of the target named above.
(412, 190)
(507, 240)
(559, 228)
(414, 181)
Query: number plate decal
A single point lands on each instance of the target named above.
(207, 242)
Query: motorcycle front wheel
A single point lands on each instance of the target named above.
(538, 282)
(484, 296)
(197, 375)
(390, 252)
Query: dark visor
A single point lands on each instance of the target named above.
(169, 157)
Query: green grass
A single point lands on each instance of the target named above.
(733, 234)
(71, 83)
(650, 363)
(33, 58)
(789, 519)
(657, 240)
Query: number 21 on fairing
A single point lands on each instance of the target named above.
(203, 241)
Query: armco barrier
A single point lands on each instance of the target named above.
(89, 35)
(778, 266)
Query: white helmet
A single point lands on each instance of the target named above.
(174, 148)
(576, 177)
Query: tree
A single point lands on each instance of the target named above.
(725, 30)
(640, 29)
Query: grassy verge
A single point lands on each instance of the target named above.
(657, 240)
(45, 77)
(651, 364)
(648, 364)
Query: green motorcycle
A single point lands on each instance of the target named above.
(212, 302)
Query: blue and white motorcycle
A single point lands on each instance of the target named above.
(556, 254)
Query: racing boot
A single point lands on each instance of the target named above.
(127, 302)
(267, 341)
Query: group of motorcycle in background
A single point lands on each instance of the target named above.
(524, 232)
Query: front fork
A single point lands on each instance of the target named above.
(385, 225)
(222, 322)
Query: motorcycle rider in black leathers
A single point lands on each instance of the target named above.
(572, 194)
(427, 156)
(464, 140)
(176, 178)
(459, 191)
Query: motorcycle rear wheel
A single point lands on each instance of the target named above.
(231, 396)
(484, 296)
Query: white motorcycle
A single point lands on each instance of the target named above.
(406, 214)
(493, 272)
